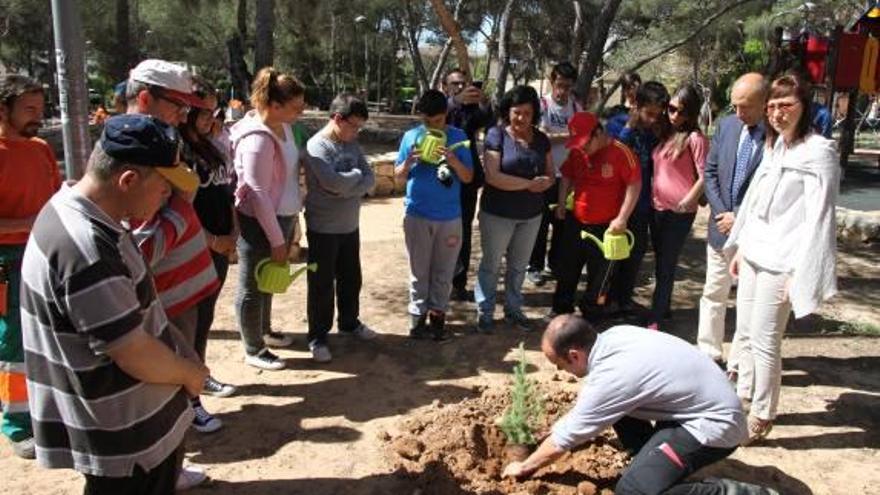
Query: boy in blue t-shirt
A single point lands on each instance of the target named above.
(432, 222)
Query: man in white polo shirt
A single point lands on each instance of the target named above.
(634, 377)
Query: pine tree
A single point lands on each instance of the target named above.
(526, 409)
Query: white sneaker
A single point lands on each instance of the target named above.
(364, 332)
(190, 477)
(278, 339)
(205, 422)
(265, 360)
(320, 353)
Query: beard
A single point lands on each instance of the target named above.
(30, 129)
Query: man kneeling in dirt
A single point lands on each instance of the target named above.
(636, 376)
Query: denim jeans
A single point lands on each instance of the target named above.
(252, 307)
(508, 237)
(669, 231)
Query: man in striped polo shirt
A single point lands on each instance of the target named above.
(107, 381)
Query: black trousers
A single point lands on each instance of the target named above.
(158, 481)
(669, 231)
(574, 252)
(628, 269)
(338, 277)
(469, 193)
(664, 454)
(548, 220)
(208, 304)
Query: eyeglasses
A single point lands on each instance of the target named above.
(782, 106)
(182, 109)
(673, 110)
(353, 126)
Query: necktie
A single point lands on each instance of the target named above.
(743, 156)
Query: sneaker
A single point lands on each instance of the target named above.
(461, 294)
(485, 322)
(437, 325)
(205, 422)
(320, 353)
(265, 360)
(364, 332)
(217, 389)
(535, 277)
(190, 477)
(278, 339)
(519, 320)
(548, 274)
(419, 330)
(25, 449)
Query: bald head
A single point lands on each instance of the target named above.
(566, 332)
(748, 96)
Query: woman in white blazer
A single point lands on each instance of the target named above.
(785, 244)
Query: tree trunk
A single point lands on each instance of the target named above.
(596, 47)
(241, 19)
(506, 25)
(264, 48)
(238, 69)
(123, 41)
(444, 53)
(452, 28)
(412, 42)
(441, 64)
(577, 43)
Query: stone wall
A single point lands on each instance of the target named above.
(858, 227)
(383, 167)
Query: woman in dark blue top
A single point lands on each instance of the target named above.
(518, 170)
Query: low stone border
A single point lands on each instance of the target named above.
(858, 227)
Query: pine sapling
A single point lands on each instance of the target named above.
(522, 417)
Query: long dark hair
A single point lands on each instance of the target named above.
(201, 146)
(791, 84)
(691, 101)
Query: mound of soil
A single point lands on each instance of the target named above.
(458, 449)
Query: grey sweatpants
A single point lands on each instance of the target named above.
(433, 248)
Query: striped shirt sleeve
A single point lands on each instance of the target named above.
(102, 303)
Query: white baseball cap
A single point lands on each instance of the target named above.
(174, 79)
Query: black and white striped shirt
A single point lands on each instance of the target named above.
(85, 291)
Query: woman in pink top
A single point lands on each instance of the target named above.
(679, 161)
(267, 202)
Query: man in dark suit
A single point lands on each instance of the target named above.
(736, 151)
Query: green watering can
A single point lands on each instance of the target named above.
(275, 278)
(569, 202)
(431, 142)
(613, 246)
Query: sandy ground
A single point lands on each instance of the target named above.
(315, 429)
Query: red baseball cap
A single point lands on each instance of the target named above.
(580, 129)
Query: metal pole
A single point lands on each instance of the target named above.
(366, 64)
(72, 93)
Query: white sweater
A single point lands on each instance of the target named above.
(787, 220)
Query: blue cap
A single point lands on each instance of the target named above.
(143, 140)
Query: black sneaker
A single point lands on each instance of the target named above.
(437, 325)
(265, 360)
(217, 389)
(461, 294)
(419, 331)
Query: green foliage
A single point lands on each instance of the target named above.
(756, 55)
(526, 408)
